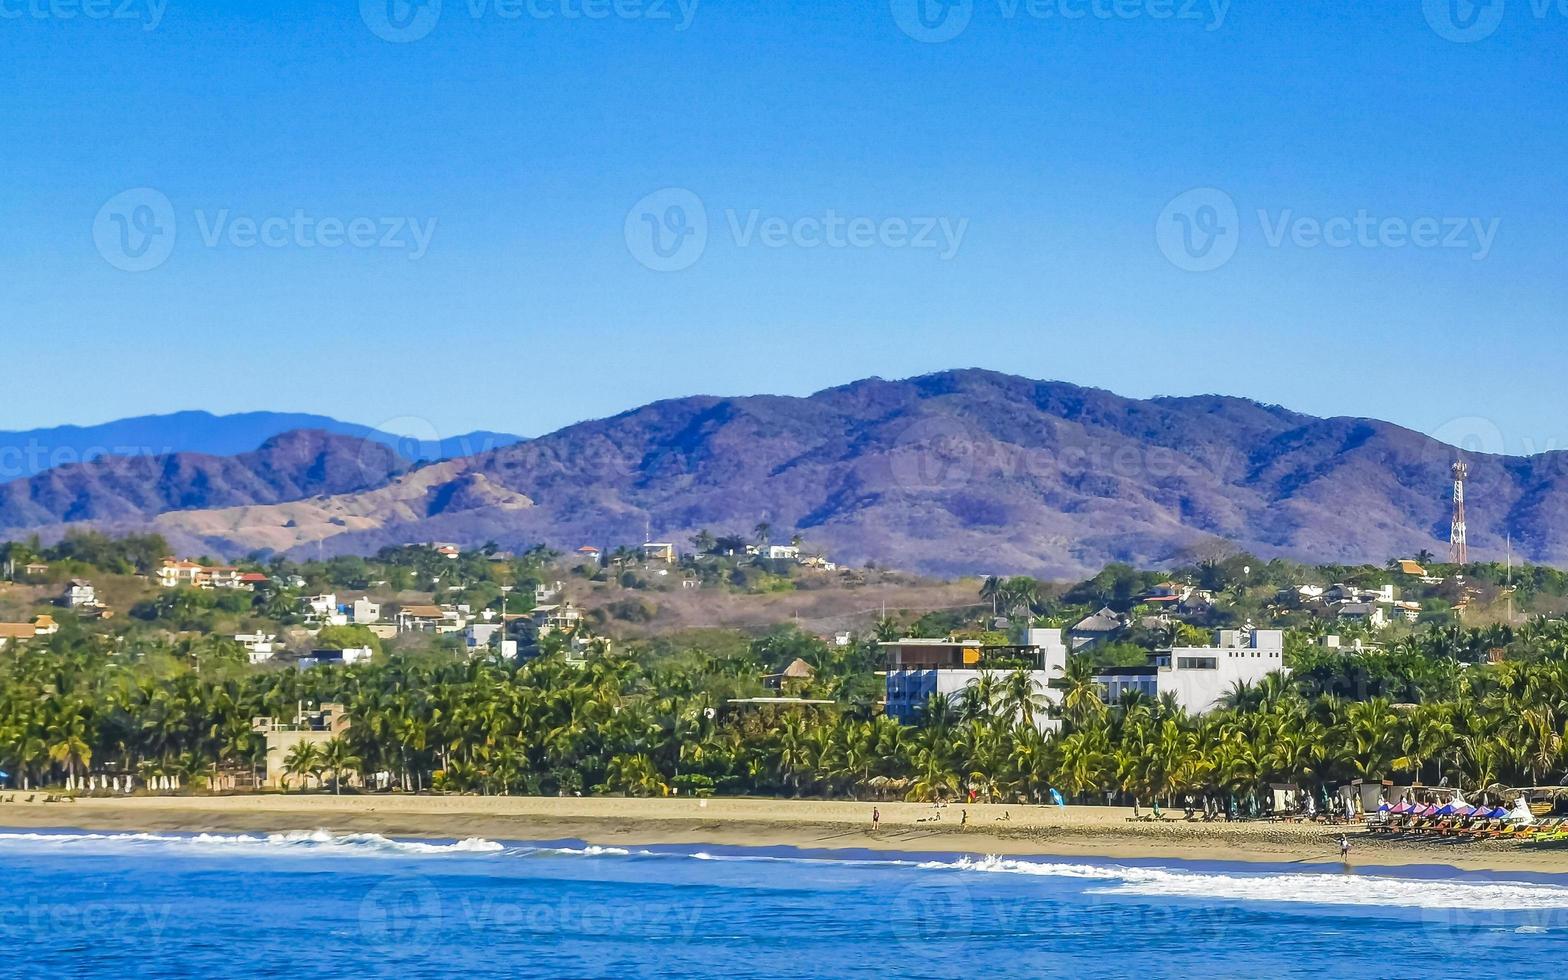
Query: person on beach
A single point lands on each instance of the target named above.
(1344, 849)
(963, 821)
(876, 818)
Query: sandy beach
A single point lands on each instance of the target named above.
(1076, 831)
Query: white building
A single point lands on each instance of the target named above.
(364, 612)
(921, 669)
(782, 552)
(346, 656)
(483, 637)
(1199, 677)
(80, 595)
(259, 646)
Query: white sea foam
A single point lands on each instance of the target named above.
(1162, 883)
(301, 840)
(1319, 889)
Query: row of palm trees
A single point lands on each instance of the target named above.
(81, 717)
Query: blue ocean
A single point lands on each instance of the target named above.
(165, 905)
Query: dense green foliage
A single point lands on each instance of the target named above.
(662, 720)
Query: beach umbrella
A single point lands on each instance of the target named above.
(1056, 797)
(1447, 810)
(1402, 807)
(1384, 807)
(1499, 812)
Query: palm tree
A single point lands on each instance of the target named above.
(304, 759)
(337, 755)
(1082, 702)
(991, 591)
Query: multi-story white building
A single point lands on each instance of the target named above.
(919, 670)
(364, 612)
(1199, 677)
(80, 594)
(259, 646)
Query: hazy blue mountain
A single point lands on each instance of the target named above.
(29, 452)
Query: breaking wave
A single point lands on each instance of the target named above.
(1099, 879)
(1317, 889)
(300, 840)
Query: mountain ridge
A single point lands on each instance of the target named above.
(957, 472)
(28, 452)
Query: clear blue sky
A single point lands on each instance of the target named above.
(1055, 143)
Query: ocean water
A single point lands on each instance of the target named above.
(166, 905)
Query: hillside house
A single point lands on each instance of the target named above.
(419, 618)
(190, 574)
(80, 594)
(363, 612)
(259, 647)
(1369, 613)
(797, 674)
(345, 657)
(659, 551)
(1095, 630)
(16, 632)
(556, 619)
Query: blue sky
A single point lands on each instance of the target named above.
(1012, 197)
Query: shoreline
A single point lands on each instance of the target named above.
(1028, 831)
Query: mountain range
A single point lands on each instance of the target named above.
(29, 452)
(959, 472)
